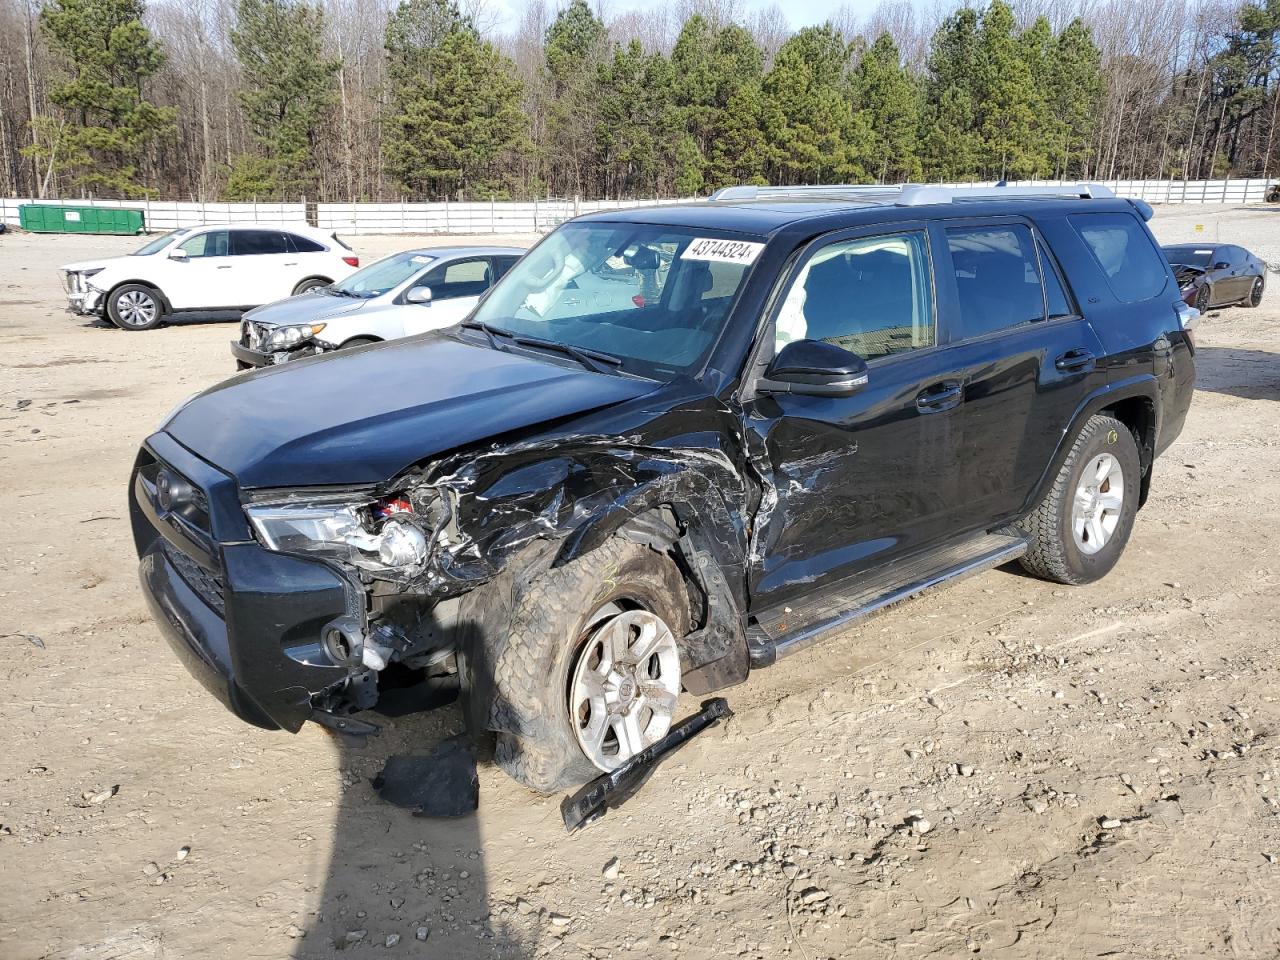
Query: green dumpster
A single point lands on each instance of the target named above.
(54, 218)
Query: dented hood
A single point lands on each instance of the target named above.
(365, 415)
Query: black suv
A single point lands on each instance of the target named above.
(671, 445)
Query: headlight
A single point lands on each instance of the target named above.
(347, 532)
(282, 338)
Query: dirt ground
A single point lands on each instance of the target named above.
(1003, 768)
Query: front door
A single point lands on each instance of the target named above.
(853, 482)
(200, 281)
(456, 288)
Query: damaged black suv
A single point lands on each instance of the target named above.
(670, 445)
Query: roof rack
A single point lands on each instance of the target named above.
(915, 194)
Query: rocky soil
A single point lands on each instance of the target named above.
(1004, 768)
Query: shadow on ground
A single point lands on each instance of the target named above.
(1236, 372)
(416, 885)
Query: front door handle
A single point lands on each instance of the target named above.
(224, 266)
(294, 264)
(940, 396)
(1074, 361)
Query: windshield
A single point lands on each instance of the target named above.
(387, 274)
(653, 296)
(1189, 256)
(158, 244)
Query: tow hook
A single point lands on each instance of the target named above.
(616, 787)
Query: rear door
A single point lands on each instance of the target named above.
(1026, 356)
(264, 268)
(456, 287)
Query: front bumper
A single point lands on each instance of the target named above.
(85, 303)
(250, 350)
(244, 621)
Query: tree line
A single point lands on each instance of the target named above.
(431, 99)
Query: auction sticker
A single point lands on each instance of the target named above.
(722, 251)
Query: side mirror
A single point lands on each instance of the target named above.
(418, 295)
(1221, 265)
(178, 254)
(815, 368)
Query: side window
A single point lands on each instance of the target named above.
(873, 296)
(1121, 247)
(247, 243)
(997, 279)
(1055, 294)
(464, 278)
(503, 264)
(299, 244)
(210, 244)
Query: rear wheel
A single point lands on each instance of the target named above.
(1255, 292)
(309, 284)
(135, 307)
(1080, 528)
(589, 673)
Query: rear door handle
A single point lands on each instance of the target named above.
(224, 266)
(940, 396)
(294, 264)
(1074, 361)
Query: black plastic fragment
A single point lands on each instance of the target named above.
(616, 787)
(441, 784)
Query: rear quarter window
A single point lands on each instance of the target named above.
(1120, 246)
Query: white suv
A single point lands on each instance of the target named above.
(213, 267)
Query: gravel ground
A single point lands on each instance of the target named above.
(1003, 768)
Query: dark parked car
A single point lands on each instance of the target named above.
(801, 407)
(1217, 275)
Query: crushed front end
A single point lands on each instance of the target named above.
(264, 344)
(83, 298)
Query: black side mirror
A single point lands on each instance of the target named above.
(815, 368)
(1221, 265)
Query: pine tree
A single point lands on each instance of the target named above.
(887, 99)
(453, 124)
(949, 140)
(576, 46)
(738, 153)
(631, 137)
(104, 128)
(1038, 46)
(1004, 94)
(287, 93)
(807, 116)
(1075, 97)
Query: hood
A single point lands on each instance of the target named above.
(305, 308)
(84, 265)
(365, 415)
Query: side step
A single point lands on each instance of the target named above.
(784, 630)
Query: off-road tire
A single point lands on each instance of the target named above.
(114, 306)
(1053, 553)
(550, 622)
(311, 283)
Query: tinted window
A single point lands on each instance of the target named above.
(211, 244)
(997, 279)
(1190, 255)
(247, 243)
(1055, 293)
(503, 264)
(299, 244)
(871, 296)
(1121, 247)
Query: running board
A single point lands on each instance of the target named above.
(784, 630)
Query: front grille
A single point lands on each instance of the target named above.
(208, 586)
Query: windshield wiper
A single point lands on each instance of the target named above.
(593, 360)
(490, 333)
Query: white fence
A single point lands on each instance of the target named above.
(535, 216)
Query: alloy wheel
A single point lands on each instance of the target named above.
(1255, 294)
(625, 685)
(136, 309)
(1202, 299)
(1099, 500)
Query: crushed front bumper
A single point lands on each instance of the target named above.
(251, 351)
(86, 303)
(244, 621)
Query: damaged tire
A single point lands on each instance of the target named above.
(589, 673)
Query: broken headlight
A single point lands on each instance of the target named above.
(282, 338)
(368, 536)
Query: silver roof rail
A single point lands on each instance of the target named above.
(916, 194)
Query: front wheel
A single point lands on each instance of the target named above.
(589, 673)
(1202, 299)
(1080, 528)
(135, 307)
